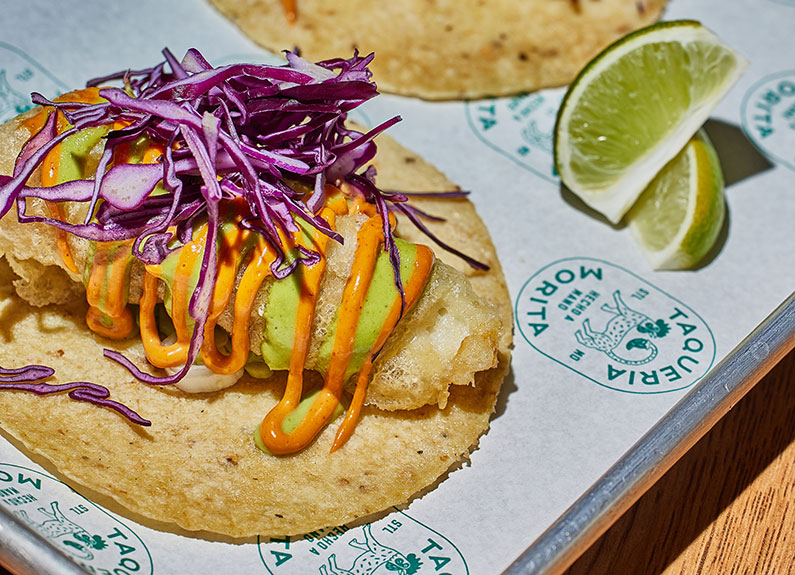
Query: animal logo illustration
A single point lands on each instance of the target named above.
(11, 101)
(574, 312)
(375, 559)
(624, 320)
(57, 528)
(535, 136)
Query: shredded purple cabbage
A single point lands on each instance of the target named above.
(247, 131)
(28, 379)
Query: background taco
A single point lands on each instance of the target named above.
(449, 50)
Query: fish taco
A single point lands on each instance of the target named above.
(219, 302)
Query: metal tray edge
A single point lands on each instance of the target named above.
(689, 420)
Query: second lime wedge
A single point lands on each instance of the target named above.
(678, 218)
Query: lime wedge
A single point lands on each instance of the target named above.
(634, 107)
(678, 217)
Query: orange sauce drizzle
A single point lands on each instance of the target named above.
(290, 10)
(271, 431)
(49, 177)
(272, 434)
(258, 268)
(108, 314)
(412, 290)
(124, 153)
(55, 212)
(36, 122)
(175, 354)
(335, 200)
(51, 164)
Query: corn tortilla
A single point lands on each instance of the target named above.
(196, 466)
(448, 49)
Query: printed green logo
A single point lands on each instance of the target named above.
(613, 327)
(519, 128)
(19, 76)
(395, 545)
(89, 535)
(768, 116)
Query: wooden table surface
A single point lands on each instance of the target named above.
(727, 507)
